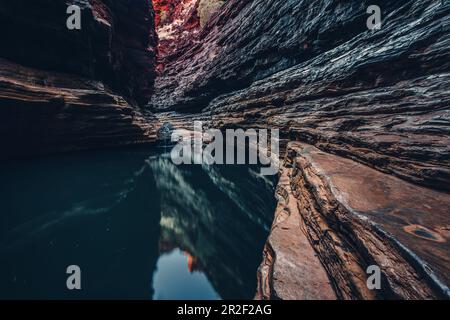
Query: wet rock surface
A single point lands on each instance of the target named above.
(363, 99)
(290, 267)
(378, 97)
(67, 89)
(355, 217)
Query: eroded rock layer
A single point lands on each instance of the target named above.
(290, 267)
(64, 89)
(377, 96)
(355, 217)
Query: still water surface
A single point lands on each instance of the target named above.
(138, 226)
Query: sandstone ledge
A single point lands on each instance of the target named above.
(46, 112)
(291, 269)
(353, 216)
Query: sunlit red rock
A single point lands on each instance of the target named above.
(179, 21)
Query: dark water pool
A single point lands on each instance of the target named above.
(138, 227)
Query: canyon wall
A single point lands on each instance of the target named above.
(363, 117)
(178, 24)
(315, 70)
(369, 112)
(63, 90)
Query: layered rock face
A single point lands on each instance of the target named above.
(365, 103)
(179, 22)
(353, 217)
(64, 89)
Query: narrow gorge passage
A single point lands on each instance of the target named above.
(363, 171)
(346, 100)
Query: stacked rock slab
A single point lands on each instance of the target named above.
(354, 217)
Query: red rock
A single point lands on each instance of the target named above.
(178, 23)
(290, 269)
(355, 216)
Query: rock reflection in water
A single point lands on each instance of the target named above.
(97, 210)
(220, 215)
(119, 215)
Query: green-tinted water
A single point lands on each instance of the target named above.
(137, 225)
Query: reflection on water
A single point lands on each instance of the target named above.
(137, 225)
(175, 268)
